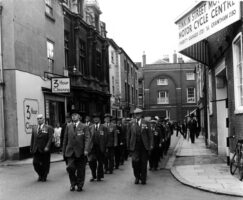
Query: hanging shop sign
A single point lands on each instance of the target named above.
(205, 19)
(60, 85)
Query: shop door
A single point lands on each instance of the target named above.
(222, 112)
(57, 113)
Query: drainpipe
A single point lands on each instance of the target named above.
(205, 105)
(2, 128)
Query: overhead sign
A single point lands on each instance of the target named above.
(31, 110)
(207, 18)
(60, 85)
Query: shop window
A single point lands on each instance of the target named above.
(50, 55)
(190, 76)
(162, 81)
(191, 95)
(163, 97)
(238, 73)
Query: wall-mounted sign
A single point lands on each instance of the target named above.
(60, 85)
(31, 110)
(207, 18)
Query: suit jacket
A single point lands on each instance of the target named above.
(42, 139)
(112, 137)
(145, 132)
(76, 140)
(102, 138)
(157, 136)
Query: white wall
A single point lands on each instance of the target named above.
(28, 91)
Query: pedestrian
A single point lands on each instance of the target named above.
(67, 121)
(157, 140)
(40, 147)
(75, 148)
(97, 148)
(192, 126)
(140, 144)
(111, 144)
(184, 129)
(88, 121)
(57, 137)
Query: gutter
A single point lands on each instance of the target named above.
(2, 84)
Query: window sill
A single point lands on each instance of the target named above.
(50, 17)
(238, 111)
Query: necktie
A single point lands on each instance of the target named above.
(96, 127)
(39, 130)
(74, 126)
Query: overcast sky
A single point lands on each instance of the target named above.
(142, 25)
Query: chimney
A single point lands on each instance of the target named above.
(144, 59)
(180, 60)
(174, 57)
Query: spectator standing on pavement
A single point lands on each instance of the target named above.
(57, 137)
(184, 129)
(75, 148)
(192, 126)
(97, 148)
(140, 143)
(40, 147)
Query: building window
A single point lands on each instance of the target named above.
(163, 97)
(98, 58)
(82, 52)
(50, 55)
(191, 95)
(113, 85)
(49, 8)
(190, 76)
(66, 49)
(238, 73)
(112, 57)
(162, 81)
(140, 101)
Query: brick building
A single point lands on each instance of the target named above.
(170, 90)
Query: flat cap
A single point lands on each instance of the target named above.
(96, 115)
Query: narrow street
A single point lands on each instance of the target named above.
(19, 182)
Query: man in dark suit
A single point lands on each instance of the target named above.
(111, 144)
(40, 147)
(140, 143)
(75, 149)
(97, 148)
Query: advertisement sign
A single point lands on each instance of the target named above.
(207, 18)
(60, 85)
(31, 110)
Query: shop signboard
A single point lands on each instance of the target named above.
(205, 19)
(31, 110)
(60, 85)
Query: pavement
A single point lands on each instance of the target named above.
(197, 166)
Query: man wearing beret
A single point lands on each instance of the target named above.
(97, 148)
(111, 144)
(140, 143)
(75, 149)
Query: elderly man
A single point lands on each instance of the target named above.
(40, 147)
(140, 143)
(75, 149)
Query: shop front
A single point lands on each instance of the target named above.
(206, 34)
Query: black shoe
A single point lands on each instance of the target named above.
(92, 180)
(43, 179)
(136, 181)
(72, 188)
(80, 189)
(106, 172)
(99, 179)
(143, 182)
(110, 172)
(39, 179)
